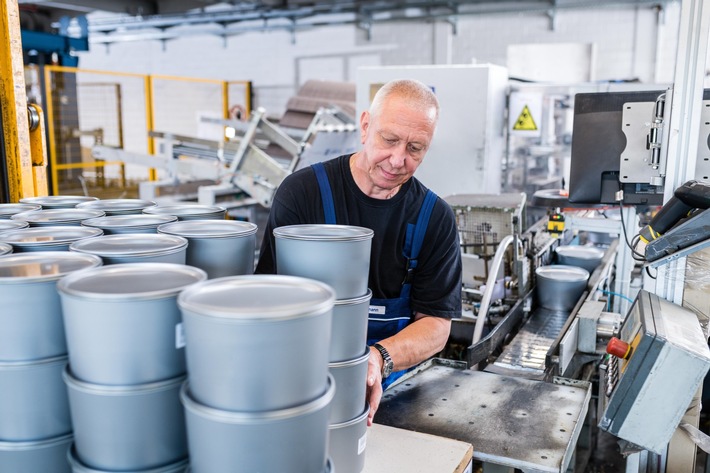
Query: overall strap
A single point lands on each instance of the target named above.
(325, 193)
(415, 237)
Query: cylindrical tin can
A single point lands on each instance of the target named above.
(122, 322)
(79, 467)
(127, 427)
(33, 399)
(351, 381)
(285, 320)
(338, 255)
(559, 287)
(31, 326)
(58, 201)
(36, 456)
(118, 206)
(121, 224)
(347, 442)
(52, 217)
(219, 247)
(135, 248)
(233, 442)
(189, 211)
(349, 332)
(586, 257)
(47, 238)
(8, 210)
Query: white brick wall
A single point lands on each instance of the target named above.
(630, 43)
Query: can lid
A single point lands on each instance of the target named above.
(131, 220)
(184, 209)
(57, 215)
(258, 297)
(581, 252)
(116, 204)
(131, 280)
(562, 272)
(6, 210)
(5, 248)
(43, 265)
(8, 224)
(133, 244)
(57, 201)
(209, 228)
(52, 235)
(324, 232)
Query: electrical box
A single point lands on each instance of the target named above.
(660, 360)
(468, 148)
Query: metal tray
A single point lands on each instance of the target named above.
(521, 423)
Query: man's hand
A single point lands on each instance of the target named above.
(374, 383)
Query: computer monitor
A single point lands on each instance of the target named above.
(597, 144)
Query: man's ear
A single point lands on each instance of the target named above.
(364, 124)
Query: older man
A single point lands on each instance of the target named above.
(415, 265)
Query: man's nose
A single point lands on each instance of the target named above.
(399, 155)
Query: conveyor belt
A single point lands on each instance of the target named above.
(525, 354)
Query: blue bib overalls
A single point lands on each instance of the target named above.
(387, 316)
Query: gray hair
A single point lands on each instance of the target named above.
(416, 93)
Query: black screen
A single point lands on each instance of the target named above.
(597, 144)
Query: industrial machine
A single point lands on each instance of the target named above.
(512, 367)
(244, 170)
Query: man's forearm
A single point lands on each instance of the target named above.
(424, 337)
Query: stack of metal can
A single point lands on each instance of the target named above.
(258, 393)
(35, 423)
(338, 255)
(126, 366)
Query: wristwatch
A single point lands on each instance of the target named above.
(387, 363)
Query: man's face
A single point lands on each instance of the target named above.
(395, 141)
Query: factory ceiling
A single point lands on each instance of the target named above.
(126, 20)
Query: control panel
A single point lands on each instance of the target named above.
(655, 367)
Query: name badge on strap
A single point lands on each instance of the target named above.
(377, 310)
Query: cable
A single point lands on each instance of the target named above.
(610, 293)
(626, 237)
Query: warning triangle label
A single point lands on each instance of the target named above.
(525, 121)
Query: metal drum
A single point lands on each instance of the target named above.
(118, 206)
(127, 427)
(349, 330)
(351, 380)
(189, 211)
(8, 210)
(121, 224)
(31, 326)
(586, 257)
(219, 247)
(285, 320)
(5, 249)
(347, 442)
(33, 399)
(51, 217)
(338, 255)
(137, 248)
(37, 456)
(47, 238)
(559, 287)
(58, 201)
(121, 321)
(78, 467)
(234, 442)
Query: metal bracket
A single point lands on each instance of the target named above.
(642, 161)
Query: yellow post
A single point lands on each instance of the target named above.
(13, 116)
(38, 148)
(152, 173)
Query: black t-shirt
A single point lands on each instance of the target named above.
(436, 288)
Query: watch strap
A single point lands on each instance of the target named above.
(387, 363)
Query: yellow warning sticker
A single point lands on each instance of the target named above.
(525, 121)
